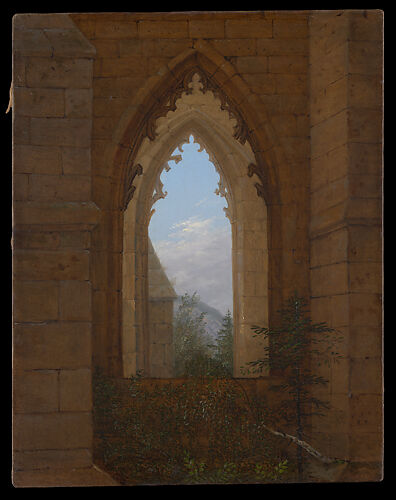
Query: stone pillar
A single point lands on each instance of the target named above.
(52, 221)
(345, 231)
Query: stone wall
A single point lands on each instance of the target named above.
(53, 216)
(261, 62)
(308, 85)
(161, 304)
(345, 227)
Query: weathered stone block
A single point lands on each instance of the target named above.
(252, 64)
(51, 265)
(162, 333)
(365, 91)
(78, 103)
(283, 47)
(331, 166)
(328, 68)
(69, 43)
(328, 101)
(329, 134)
(329, 280)
(365, 244)
(119, 29)
(121, 87)
(367, 447)
(52, 431)
(367, 412)
(252, 28)
(322, 221)
(35, 301)
(35, 391)
(52, 346)
(37, 159)
(365, 125)
(99, 306)
(366, 25)
(21, 129)
(329, 195)
(339, 307)
(42, 21)
(365, 309)
(366, 341)
(365, 277)
(18, 70)
(291, 84)
(31, 42)
(121, 67)
(277, 104)
(26, 239)
(157, 354)
(59, 187)
(40, 459)
(75, 239)
(20, 187)
(76, 161)
(366, 375)
(75, 300)
(365, 57)
(108, 48)
(290, 29)
(261, 83)
(55, 213)
(288, 64)
(365, 209)
(330, 248)
(39, 102)
(163, 29)
(74, 132)
(75, 390)
(59, 73)
(110, 106)
(206, 28)
(235, 47)
(103, 128)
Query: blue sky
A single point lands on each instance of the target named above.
(190, 231)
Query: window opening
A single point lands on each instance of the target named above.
(190, 268)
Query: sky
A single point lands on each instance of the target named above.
(190, 232)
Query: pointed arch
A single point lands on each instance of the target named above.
(159, 94)
(203, 113)
(138, 123)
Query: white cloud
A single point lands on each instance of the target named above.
(197, 257)
(201, 202)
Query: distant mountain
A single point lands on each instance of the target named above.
(213, 317)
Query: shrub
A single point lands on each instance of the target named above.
(199, 430)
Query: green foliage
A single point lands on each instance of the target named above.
(223, 350)
(194, 354)
(190, 340)
(198, 431)
(266, 473)
(295, 348)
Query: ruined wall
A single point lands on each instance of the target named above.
(161, 304)
(345, 227)
(52, 219)
(309, 87)
(266, 54)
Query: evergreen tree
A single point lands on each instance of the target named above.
(286, 350)
(224, 353)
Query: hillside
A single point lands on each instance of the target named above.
(213, 317)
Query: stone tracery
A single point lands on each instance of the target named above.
(193, 81)
(203, 113)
